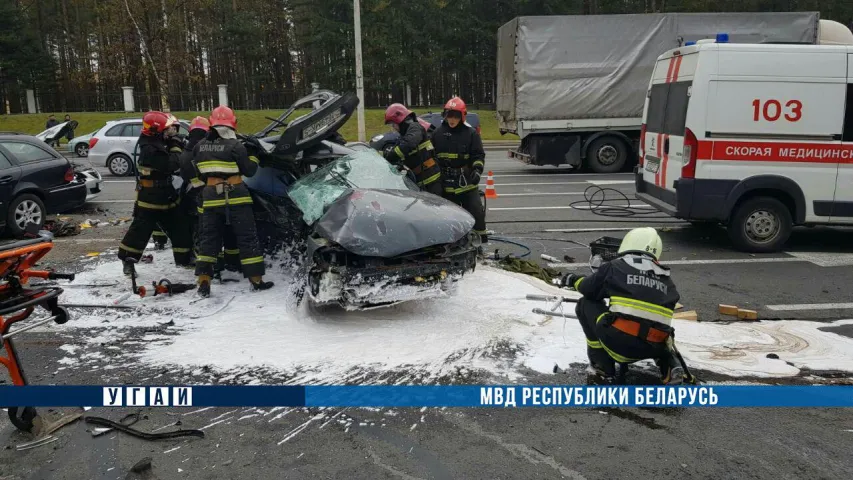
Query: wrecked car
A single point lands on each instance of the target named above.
(368, 235)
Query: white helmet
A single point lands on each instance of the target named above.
(642, 240)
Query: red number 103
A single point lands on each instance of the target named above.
(772, 110)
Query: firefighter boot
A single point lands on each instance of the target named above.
(671, 370)
(128, 268)
(258, 284)
(204, 286)
(601, 363)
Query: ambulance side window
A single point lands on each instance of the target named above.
(657, 108)
(676, 108)
(847, 135)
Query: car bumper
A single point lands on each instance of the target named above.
(66, 197)
(97, 158)
(693, 199)
(93, 181)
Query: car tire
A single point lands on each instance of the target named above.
(82, 149)
(760, 225)
(119, 165)
(607, 154)
(25, 208)
(23, 418)
(387, 149)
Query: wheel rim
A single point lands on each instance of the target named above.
(27, 212)
(119, 165)
(83, 150)
(607, 155)
(762, 226)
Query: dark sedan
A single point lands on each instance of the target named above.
(35, 181)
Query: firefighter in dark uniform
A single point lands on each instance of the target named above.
(156, 199)
(415, 151)
(190, 204)
(460, 154)
(221, 161)
(637, 324)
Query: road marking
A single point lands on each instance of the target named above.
(498, 172)
(538, 194)
(810, 306)
(582, 182)
(610, 229)
(724, 261)
(611, 182)
(567, 207)
(825, 259)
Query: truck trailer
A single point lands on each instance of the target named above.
(573, 87)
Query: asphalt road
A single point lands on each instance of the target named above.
(532, 208)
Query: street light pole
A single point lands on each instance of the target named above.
(359, 76)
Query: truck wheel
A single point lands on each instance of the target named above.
(761, 225)
(607, 155)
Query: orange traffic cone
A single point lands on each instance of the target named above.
(490, 186)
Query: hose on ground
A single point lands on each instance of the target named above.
(617, 204)
(511, 242)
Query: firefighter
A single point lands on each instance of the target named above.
(415, 151)
(221, 161)
(156, 199)
(637, 324)
(230, 259)
(459, 151)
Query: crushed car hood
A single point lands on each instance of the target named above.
(386, 223)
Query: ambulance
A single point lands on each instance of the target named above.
(757, 137)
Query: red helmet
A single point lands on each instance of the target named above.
(396, 113)
(223, 116)
(456, 104)
(200, 122)
(154, 123)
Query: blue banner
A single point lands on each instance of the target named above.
(427, 396)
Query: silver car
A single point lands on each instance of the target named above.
(113, 144)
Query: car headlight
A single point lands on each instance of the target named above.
(377, 138)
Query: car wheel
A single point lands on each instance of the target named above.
(387, 149)
(119, 165)
(23, 210)
(761, 225)
(607, 154)
(82, 149)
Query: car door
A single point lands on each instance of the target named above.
(112, 139)
(842, 208)
(10, 174)
(39, 166)
(130, 135)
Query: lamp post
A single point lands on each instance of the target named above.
(359, 76)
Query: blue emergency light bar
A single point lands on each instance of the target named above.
(722, 38)
(687, 44)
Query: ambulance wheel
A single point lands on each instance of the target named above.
(761, 225)
(22, 417)
(607, 154)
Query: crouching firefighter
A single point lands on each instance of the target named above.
(191, 204)
(637, 325)
(415, 150)
(156, 199)
(221, 160)
(460, 154)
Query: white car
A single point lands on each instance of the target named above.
(113, 144)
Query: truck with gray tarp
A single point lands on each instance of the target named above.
(573, 87)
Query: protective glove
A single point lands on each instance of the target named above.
(474, 177)
(570, 278)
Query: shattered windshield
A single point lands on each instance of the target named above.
(364, 169)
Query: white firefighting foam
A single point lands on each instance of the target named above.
(487, 325)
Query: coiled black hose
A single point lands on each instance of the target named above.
(597, 201)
